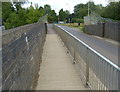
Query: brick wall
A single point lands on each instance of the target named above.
(21, 56)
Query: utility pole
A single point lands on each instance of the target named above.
(88, 8)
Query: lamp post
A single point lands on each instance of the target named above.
(69, 10)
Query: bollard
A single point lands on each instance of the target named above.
(46, 27)
(79, 24)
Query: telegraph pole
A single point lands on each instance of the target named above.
(88, 8)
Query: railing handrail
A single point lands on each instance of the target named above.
(100, 55)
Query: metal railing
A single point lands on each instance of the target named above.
(98, 71)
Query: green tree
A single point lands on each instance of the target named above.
(80, 10)
(18, 5)
(112, 10)
(12, 21)
(41, 10)
(52, 17)
(7, 9)
(47, 9)
(0, 9)
(22, 14)
(63, 15)
(33, 15)
(16, 18)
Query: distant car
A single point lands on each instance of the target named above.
(61, 22)
(2, 28)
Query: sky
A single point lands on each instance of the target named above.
(65, 4)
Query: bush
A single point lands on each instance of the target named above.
(77, 20)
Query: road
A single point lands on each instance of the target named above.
(107, 49)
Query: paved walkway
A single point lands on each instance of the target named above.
(57, 71)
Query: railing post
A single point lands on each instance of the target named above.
(103, 29)
(74, 52)
(87, 67)
(118, 80)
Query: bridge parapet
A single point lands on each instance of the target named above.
(21, 56)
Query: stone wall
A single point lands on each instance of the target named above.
(21, 56)
(109, 30)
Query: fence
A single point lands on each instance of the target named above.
(112, 30)
(21, 56)
(98, 71)
(97, 29)
(108, 30)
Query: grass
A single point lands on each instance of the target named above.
(75, 25)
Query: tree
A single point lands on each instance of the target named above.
(41, 10)
(63, 15)
(0, 10)
(52, 17)
(112, 10)
(7, 9)
(17, 16)
(12, 21)
(0, 14)
(18, 5)
(33, 15)
(22, 14)
(47, 9)
(80, 10)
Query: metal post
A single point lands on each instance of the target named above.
(103, 29)
(87, 67)
(74, 52)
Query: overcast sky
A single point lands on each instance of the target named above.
(65, 4)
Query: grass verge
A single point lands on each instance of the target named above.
(75, 25)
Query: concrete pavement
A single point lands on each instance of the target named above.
(57, 71)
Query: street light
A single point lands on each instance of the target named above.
(69, 9)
